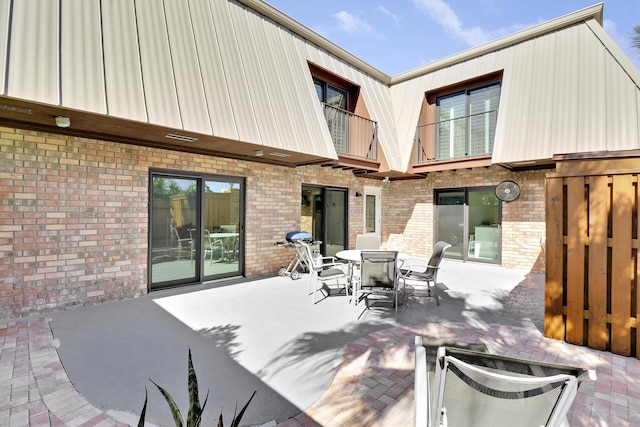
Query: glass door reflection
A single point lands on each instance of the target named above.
(174, 217)
(222, 208)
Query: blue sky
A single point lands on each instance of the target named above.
(398, 35)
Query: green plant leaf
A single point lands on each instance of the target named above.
(144, 409)
(175, 411)
(236, 419)
(195, 411)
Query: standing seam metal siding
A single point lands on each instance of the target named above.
(230, 72)
(123, 71)
(562, 92)
(213, 67)
(81, 81)
(33, 69)
(186, 67)
(155, 56)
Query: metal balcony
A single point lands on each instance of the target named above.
(353, 136)
(456, 139)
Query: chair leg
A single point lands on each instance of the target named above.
(435, 290)
(316, 288)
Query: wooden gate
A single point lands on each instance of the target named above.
(592, 266)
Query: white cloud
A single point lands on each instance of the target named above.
(350, 23)
(440, 12)
(394, 18)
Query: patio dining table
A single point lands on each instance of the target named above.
(353, 256)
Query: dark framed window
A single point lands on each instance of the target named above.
(331, 95)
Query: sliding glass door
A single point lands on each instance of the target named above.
(324, 216)
(196, 229)
(469, 219)
(174, 214)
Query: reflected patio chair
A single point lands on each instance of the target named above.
(482, 389)
(322, 270)
(417, 273)
(182, 243)
(370, 241)
(379, 276)
(212, 246)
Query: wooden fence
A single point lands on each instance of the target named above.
(592, 246)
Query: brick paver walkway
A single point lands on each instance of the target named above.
(34, 387)
(373, 385)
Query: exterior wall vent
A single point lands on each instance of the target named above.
(181, 137)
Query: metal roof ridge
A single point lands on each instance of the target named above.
(590, 12)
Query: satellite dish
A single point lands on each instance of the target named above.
(507, 191)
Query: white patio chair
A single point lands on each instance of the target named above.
(480, 389)
(322, 270)
(369, 241)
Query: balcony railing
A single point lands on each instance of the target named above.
(458, 138)
(352, 135)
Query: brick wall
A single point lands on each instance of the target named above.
(408, 213)
(74, 215)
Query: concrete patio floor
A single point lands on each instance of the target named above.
(310, 364)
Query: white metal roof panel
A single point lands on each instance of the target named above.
(305, 97)
(564, 121)
(214, 75)
(123, 73)
(256, 81)
(275, 86)
(590, 103)
(235, 78)
(81, 66)
(4, 39)
(186, 68)
(33, 69)
(157, 65)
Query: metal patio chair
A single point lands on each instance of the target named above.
(379, 275)
(419, 274)
(479, 389)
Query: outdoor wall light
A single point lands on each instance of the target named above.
(386, 180)
(63, 122)
(358, 194)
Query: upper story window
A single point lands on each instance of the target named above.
(458, 122)
(466, 122)
(331, 95)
